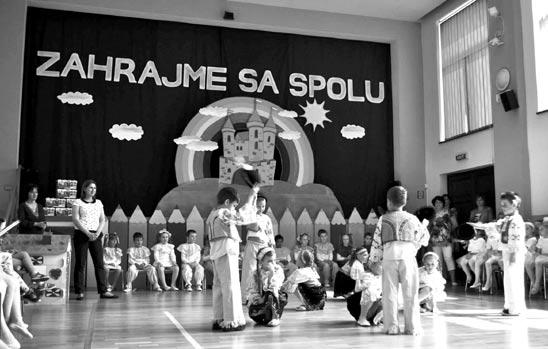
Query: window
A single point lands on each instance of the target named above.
(256, 146)
(465, 87)
(228, 138)
(256, 133)
(540, 30)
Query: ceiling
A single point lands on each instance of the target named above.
(403, 10)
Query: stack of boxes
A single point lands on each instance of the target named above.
(61, 205)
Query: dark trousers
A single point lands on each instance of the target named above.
(81, 247)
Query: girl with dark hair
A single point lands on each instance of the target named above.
(31, 213)
(266, 301)
(365, 304)
(305, 283)
(88, 217)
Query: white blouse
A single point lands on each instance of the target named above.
(112, 257)
(190, 253)
(164, 255)
(89, 213)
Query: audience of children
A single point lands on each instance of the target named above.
(476, 246)
(397, 238)
(259, 234)
(342, 256)
(191, 269)
(324, 259)
(265, 299)
(283, 256)
(207, 263)
(305, 283)
(431, 283)
(365, 304)
(112, 260)
(139, 259)
(164, 259)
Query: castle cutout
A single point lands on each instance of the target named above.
(255, 145)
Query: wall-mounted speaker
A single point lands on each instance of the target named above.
(509, 100)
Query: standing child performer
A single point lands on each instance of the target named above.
(112, 256)
(512, 230)
(324, 259)
(259, 235)
(305, 283)
(397, 238)
(190, 258)
(431, 282)
(139, 259)
(164, 258)
(266, 301)
(364, 304)
(225, 248)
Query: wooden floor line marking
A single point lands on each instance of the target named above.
(91, 326)
(184, 332)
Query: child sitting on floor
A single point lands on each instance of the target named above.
(476, 246)
(139, 259)
(305, 283)
(190, 259)
(431, 283)
(365, 304)
(324, 259)
(164, 258)
(266, 301)
(112, 257)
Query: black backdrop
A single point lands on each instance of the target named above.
(67, 141)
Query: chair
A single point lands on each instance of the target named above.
(498, 274)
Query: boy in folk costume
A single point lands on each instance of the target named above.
(397, 238)
(225, 247)
(259, 235)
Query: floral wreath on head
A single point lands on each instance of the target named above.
(164, 231)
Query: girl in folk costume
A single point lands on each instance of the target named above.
(364, 305)
(259, 235)
(305, 283)
(266, 301)
(512, 230)
(397, 238)
(431, 283)
(224, 243)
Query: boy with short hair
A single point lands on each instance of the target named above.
(139, 259)
(397, 238)
(225, 247)
(190, 258)
(324, 259)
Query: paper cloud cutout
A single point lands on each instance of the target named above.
(218, 112)
(289, 135)
(80, 98)
(288, 114)
(184, 140)
(126, 132)
(353, 132)
(202, 146)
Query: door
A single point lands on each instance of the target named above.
(463, 187)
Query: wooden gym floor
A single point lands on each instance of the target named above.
(147, 319)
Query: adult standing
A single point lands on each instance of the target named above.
(482, 213)
(440, 236)
(88, 217)
(31, 214)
